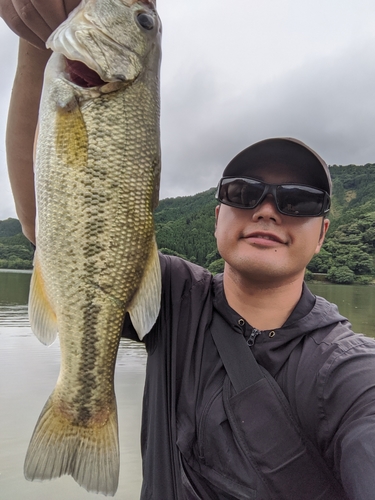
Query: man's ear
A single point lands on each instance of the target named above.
(323, 232)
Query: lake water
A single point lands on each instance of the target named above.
(28, 372)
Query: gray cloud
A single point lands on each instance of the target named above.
(329, 103)
(232, 77)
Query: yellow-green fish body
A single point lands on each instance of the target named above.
(97, 172)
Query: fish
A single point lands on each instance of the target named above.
(97, 175)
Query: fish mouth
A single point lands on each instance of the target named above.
(82, 75)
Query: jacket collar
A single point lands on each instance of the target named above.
(272, 347)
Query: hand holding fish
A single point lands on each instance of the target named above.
(22, 121)
(34, 20)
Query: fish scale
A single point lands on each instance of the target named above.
(97, 177)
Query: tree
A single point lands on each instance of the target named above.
(321, 262)
(211, 257)
(308, 275)
(10, 227)
(342, 275)
(167, 251)
(3, 264)
(217, 266)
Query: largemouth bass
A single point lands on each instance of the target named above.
(97, 170)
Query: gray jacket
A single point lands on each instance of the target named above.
(325, 370)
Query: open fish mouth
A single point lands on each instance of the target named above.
(81, 75)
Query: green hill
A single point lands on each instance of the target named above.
(16, 251)
(185, 226)
(348, 254)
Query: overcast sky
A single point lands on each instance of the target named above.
(237, 72)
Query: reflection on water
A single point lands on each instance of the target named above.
(14, 287)
(13, 316)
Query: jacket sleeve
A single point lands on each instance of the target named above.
(348, 405)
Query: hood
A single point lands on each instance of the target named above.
(272, 351)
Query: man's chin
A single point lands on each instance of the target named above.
(262, 274)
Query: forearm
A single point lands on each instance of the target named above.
(22, 121)
(357, 460)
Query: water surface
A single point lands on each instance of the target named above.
(356, 302)
(28, 373)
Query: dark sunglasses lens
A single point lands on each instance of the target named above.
(300, 200)
(242, 193)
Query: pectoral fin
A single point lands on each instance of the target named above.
(42, 318)
(145, 306)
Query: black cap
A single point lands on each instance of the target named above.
(284, 151)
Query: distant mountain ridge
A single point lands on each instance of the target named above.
(185, 226)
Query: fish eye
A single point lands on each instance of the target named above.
(146, 21)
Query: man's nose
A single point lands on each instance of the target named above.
(267, 209)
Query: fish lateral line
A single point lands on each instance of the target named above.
(66, 414)
(121, 304)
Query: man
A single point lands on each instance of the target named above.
(274, 197)
(209, 430)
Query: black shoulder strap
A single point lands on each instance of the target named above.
(239, 362)
(263, 420)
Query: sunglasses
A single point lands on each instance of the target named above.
(296, 200)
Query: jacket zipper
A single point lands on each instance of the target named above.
(252, 337)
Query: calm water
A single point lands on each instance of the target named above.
(28, 372)
(357, 303)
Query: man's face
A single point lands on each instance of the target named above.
(261, 244)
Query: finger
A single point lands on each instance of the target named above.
(32, 18)
(15, 23)
(70, 5)
(52, 12)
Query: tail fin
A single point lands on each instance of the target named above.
(89, 455)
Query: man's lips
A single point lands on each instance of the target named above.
(263, 238)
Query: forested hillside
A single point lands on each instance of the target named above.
(185, 226)
(348, 254)
(15, 250)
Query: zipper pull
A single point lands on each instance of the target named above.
(252, 337)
